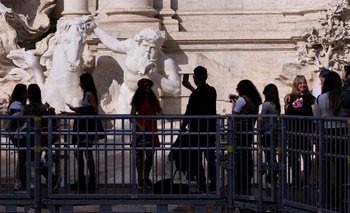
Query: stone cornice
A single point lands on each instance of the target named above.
(218, 41)
(291, 11)
(229, 41)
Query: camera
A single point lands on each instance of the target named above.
(232, 97)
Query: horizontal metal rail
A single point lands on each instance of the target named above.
(276, 163)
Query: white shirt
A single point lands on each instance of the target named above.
(240, 103)
(16, 106)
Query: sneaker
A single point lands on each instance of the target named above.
(145, 183)
(148, 183)
(56, 184)
(19, 190)
(141, 184)
(17, 186)
(267, 185)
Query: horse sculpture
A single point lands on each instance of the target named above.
(64, 61)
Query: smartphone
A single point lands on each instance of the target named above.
(185, 78)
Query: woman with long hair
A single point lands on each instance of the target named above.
(328, 104)
(84, 142)
(37, 108)
(247, 103)
(18, 100)
(271, 106)
(145, 102)
(299, 103)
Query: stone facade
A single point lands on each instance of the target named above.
(235, 40)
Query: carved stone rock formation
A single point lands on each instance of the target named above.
(19, 31)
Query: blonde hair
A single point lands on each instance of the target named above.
(295, 90)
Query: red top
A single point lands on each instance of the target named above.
(149, 125)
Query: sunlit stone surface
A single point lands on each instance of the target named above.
(259, 40)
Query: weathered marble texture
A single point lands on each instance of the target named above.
(20, 27)
(255, 39)
(64, 62)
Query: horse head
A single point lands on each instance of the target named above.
(71, 37)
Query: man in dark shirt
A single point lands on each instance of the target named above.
(202, 102)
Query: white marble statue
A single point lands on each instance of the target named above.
(19, 31)
(4, 9)
(64, 62)
(144, 59)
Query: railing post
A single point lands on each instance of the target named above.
(321, 143)
(282, 163)
(280, 169)
(133, 156)
(230, 166)
(260, 169)
(37, 165)
(347, 170)
(217, 158)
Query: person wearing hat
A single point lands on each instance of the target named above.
(145, 102)
(202, 101)
(317, 89)
(323, 74)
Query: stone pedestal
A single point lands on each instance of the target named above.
(124, 18)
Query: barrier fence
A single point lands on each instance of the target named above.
(225, 163)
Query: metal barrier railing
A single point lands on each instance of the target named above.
(276, 163)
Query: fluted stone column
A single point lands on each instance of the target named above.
(123, 18)
(74, 8)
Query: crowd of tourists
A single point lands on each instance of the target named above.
(333, 100)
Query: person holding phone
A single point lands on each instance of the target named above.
(202, 101)
(186, 83)
(84, 142)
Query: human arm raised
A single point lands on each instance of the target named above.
(109, 41)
